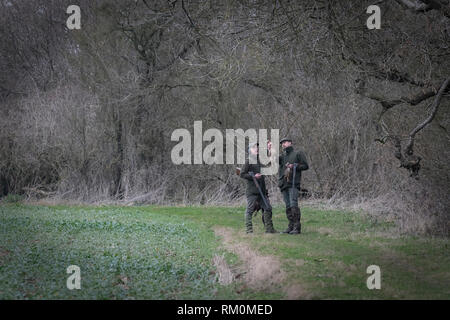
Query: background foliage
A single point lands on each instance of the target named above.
(87, 114)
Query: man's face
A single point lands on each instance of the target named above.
(286, 144)
(254, 150)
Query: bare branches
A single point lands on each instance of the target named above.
(427, 5)
(390, 103)
(187, 14)
(441, 5)
(435, 106)
(266, 89)
(382, 73)
(406, 155)
(38, 192)
(417, 6)
(180, 55)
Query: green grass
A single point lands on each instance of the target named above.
(155, 252)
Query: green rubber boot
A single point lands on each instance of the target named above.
(297, 227)
(248, 223)
(268, 222)
(291, 222)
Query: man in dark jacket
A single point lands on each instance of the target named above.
(289, 161)
(254, 198)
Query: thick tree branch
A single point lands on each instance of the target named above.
(414, 5)
(266, 89)
(435, 106)
(390, 103)
(408, 159)
(442, 6)
(421, 6)
(382, 73)
(187, 14)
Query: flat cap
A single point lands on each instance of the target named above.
(285, 139)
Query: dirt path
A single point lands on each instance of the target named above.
(258, 272)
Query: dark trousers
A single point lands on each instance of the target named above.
(252, 204)
(290, 197)
(293, 214)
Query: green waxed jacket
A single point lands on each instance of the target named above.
(291, 156)
(255, 168)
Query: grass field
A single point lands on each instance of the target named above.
(154, 252)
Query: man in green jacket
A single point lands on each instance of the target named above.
(289, 161)
(253, 194)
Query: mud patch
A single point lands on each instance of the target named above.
(296, 262)
(259, 272)
(224, 272)
(299, 262)
(325, 231)
(296, 291)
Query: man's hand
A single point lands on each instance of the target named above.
(269, 145)
(258, 175)
(289, 165)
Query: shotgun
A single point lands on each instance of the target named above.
(263, 197)
(293, 180)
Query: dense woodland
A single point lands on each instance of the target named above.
(87, 115)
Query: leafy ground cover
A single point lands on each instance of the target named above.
(151, 252)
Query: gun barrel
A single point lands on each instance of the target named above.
(259, 189)
(293, 180)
